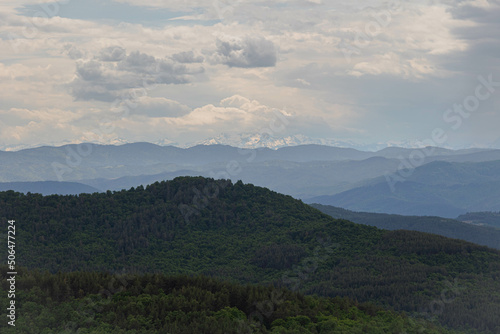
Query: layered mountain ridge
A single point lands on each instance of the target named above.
(445, 183)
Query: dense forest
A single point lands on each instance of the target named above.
(485, 235)
(89, 302)
(249, 235)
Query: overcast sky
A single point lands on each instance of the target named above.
(112, 71)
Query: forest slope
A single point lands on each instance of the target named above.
(90, 302)
(249, 234)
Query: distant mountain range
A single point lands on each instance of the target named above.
(438, 188)
(447, 183)
(250, 140)
(259, 140)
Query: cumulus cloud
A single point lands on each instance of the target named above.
(245, 52)
(187, 57)
(73, 52)
(235, 112)
(237, 101)
(111, 72)
(91, 70)
(112, 53)
(393, 64)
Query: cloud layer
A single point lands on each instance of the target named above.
(113, 70)
(362, 71)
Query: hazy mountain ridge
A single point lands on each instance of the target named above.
(309, 177)
(48, 187)
(87, 162)
(439, 188)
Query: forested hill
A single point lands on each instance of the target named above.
(249, 234)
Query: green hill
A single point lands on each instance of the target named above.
(248, 234)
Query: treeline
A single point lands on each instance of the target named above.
(451, 228)
(247, 234)
(91, 302)
(483, 218)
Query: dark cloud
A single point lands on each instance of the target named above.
(112, 53)
(481, 15)
(165, 71)
(138, 62)
(483, 50)
(89, 71)
(81, 91)
(113, 71)
(486, 22)
(247, 52)
(73, 52)
(187, 57)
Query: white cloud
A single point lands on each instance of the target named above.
(31, 127)
(23, 72)
(233, 112)
(393, 64)
(303, 82)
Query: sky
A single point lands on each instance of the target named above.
(179, 72)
